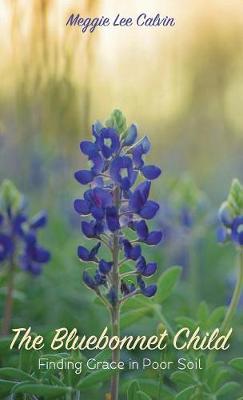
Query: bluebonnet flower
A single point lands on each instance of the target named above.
(18, 232)
(150, 238)
(130, 251)
(88, 255)
(114, 203)
(6, 247)
(147, 291)
(231, 216)
(184, 217)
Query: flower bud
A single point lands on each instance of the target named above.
(117, 121)
(10, 197)
(235, 198)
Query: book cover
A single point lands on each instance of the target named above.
(121, 200)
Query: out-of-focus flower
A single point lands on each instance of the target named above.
(18, 233)
(231, 216)
(184, 217)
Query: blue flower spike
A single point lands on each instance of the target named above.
(19, 233)
(19, 246)
(113, 202)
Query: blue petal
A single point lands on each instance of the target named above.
(33, 268)
(141, 265)
(186, 217)
(146, 145)
(131, 135)
(83, 253)
(131, 252)
(112, 296)
(149, 291)
(108, 150)
(30, 238)
(88, 148)
(41, 255)
(240, 239)
(17, 224)
(105, 266)
(88, 280)
(149, 210)
(100, 279)
(94, 251)
(81, 206)
(225, 215)
(150, 269)
(138, 151)
(96, 128)
(236, 228)
(142, 230)
(39, 220)
(151, 172)
(6, 246)
(97, 212)
(221, 234)
(118, 165)
(98, 163)
(88, 229)
(112, 219)
(103, 198)
(141, 283)
(154, 237)
(140, 196)
(84, 176)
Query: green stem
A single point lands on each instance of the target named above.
(236, 295)
(193, 271)
(115, 312)
(164, 320)
(8, 307)
(115, 353)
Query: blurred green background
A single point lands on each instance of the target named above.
(182, 86)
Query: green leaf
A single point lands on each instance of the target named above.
(136, 303)
(6, 386)
(132, 391)
(182, 377)
(104, 355)
(203, 313)
(186, 321)
(186, 393)
(167, 282)
(237, 363)
(41, 390)
(222, 376)
(133, 316)
(25, 359)
(95, 377)
(16, 374)
(152, 387)
(228, 388)
(5, 344)
(142, 396)
(216, 317)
